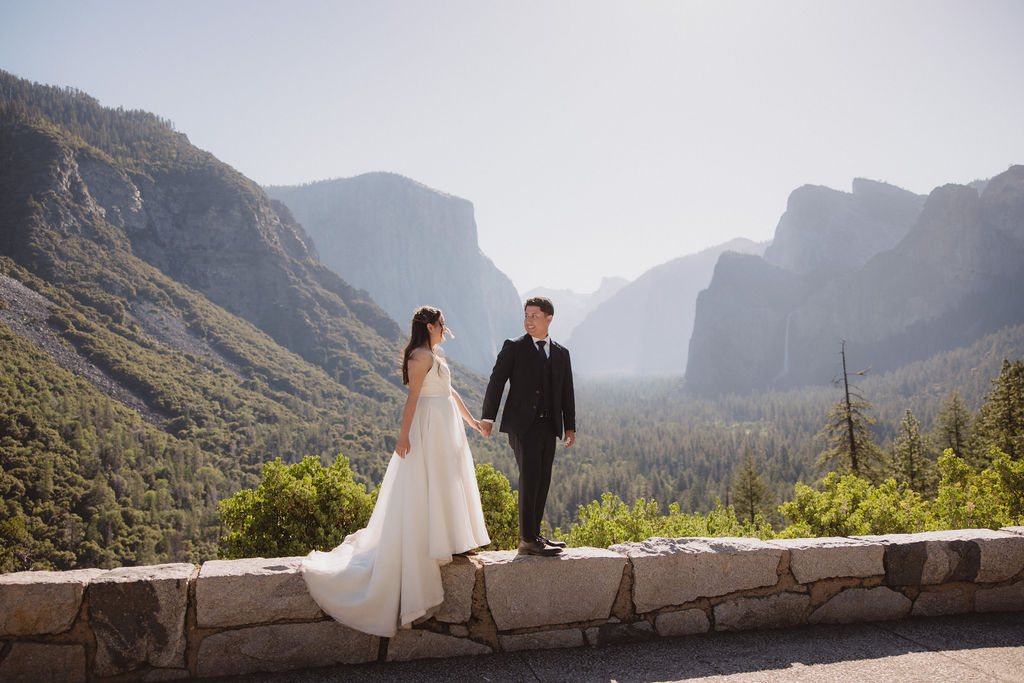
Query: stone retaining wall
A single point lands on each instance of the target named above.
(243, 616)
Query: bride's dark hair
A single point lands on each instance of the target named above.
(419, 335)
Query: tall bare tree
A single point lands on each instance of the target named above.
(847, 430)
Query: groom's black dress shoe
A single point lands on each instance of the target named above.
(548, 541)
(536, 547)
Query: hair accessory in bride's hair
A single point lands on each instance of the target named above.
(424, 315)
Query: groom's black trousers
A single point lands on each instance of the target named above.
(535, 453)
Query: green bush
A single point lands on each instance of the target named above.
(1011, 484)
(966, 499)
(991, 498)
(609, 521)
(301, 507)
(849, 505)
(501, 507)
(296, 508)
(722, 521)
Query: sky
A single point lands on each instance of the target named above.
(594, 138)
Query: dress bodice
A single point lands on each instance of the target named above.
(438, 381)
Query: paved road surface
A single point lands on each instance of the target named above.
(975, 647)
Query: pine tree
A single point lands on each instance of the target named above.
(952, 428)
(1001, 419)
(750, 491)
(847, 429)
(910, 463)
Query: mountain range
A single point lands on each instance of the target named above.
(896, 276)
(167, 326)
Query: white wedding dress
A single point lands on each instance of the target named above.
(428, 508)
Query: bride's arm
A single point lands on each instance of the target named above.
(464, 412)
(419, 366)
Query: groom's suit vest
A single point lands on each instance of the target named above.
(545, 404)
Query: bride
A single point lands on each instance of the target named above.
(428, 505)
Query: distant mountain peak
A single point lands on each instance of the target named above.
(409, 245)
(826, 230)
(899, 276)
(388, 178)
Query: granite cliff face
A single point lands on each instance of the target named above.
(740, 324)
(826, 231)
(952, 277)
(76, 215)
(218, 233)
(409, 245)
(644, 328)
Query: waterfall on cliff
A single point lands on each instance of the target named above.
(785, 350)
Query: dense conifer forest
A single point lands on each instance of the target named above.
(648, 438)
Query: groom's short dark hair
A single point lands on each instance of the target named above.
(541, 302)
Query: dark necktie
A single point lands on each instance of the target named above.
(540, 347)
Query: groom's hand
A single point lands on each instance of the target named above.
(570, 437)
(485, 428)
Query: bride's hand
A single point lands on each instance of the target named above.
(477, 427)
(402, 448)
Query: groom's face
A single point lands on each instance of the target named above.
(536, 322)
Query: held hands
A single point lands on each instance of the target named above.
(485, 427)
(478, 425)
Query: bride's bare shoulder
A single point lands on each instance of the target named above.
(421, 356)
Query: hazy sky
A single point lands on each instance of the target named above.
(594, 138)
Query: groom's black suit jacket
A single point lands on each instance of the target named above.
(519, 362)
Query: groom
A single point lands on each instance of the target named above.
(540, 408)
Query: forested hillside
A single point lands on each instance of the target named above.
(208, 335)
(650, 438)
(85, 482)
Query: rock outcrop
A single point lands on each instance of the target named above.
(779, 322)
(645, 327)
(825, 230)
(409, 245)
(742, 325)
